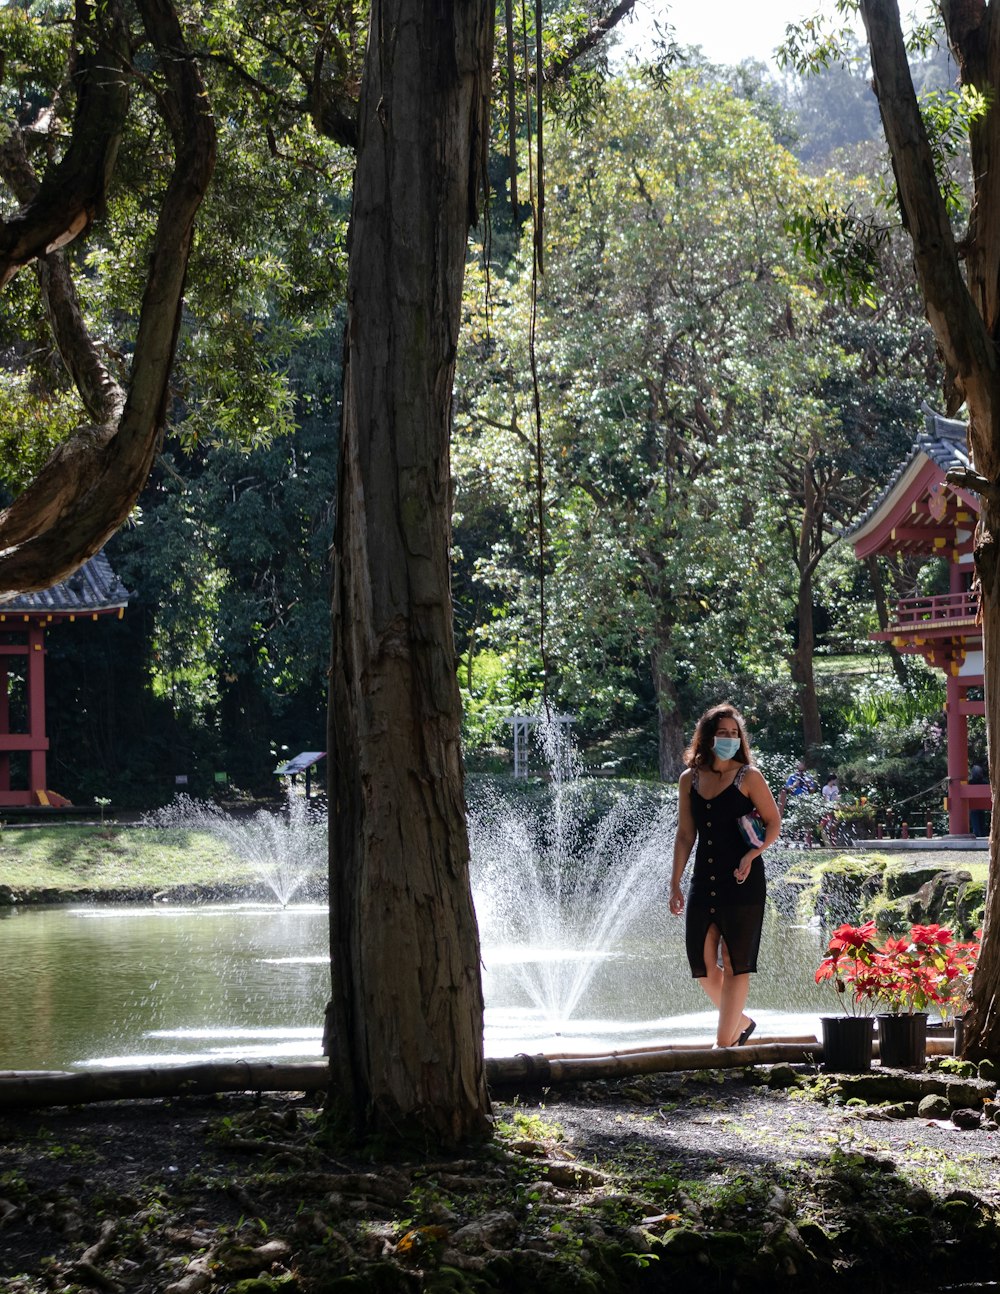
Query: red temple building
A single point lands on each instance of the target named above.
(921, 515)
(92, 591)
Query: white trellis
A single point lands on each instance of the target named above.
(522, 724)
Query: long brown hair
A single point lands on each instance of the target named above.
(700, 754)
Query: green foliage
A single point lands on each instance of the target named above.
(491, 692)
(642, 447)
(949, 115)
(32, 424)
(843, 247)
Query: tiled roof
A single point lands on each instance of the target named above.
(94, 587)
(943, 440)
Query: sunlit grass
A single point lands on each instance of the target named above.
(87, 857)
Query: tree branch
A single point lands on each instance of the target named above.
(590, 39)
(72, 192)
(951, 311)
(89, 485)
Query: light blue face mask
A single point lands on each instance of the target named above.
(726, 747)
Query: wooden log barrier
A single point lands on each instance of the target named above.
(24, 1089)
(33, 1089)
(555, 1069)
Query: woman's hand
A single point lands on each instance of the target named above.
(743, 871)
(676, 900)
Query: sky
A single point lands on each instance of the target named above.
(727, 30)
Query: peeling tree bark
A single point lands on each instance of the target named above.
(406, 1015)
(964, 312)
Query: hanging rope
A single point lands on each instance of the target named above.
(933, 787)
(512, 113)
(536, 270)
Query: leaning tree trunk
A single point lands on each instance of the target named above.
(405, 1025)
(982, 1031)
(962, 295)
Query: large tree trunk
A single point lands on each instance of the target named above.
(982, 1032)
(406, 1015)
(964, 313)
(670, 730)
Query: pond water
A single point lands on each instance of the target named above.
(102, 986)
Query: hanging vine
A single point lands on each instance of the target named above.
(536, 198)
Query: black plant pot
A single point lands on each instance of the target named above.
(847, 1043)
(959, 1034)
(902, 1040)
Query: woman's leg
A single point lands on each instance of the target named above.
(712, 981)
(732, 1018)
(726, 991)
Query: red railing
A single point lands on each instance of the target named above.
(945, 607)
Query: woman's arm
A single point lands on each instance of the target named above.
(683, 841)
(758, 791)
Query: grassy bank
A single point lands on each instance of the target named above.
(81, 858)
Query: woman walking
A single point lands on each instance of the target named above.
(725, 902)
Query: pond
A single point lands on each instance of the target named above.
(127, 985)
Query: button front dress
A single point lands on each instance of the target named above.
(715, 897)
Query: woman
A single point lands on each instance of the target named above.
(725, 905)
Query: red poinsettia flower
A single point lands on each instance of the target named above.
(904, 973)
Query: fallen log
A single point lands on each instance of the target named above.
(672, 1046)
(33, 1089)
(552, 1069)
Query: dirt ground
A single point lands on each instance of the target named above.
(774, 1178)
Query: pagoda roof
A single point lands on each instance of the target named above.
(917, 511)
(93, 589)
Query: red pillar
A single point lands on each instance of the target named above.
(4, 724)
(36, 709)
(958, 757)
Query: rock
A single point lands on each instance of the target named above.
(934, 1106)
(988, 1071)
(548, 1192)
(937, 898)
(964, 1118)
(195, 1279)
(900, 881)
(264, 1284)
(7, 897)
(529, 1147)
(233, 1258)
(496, 1230)
(575, 1176)
(782, 1076)
(783, 1239)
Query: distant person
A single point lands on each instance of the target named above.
(798, 783)
(725, 900)
(977, 817)
(831, 794)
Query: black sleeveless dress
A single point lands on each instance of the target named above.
(714, 896)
